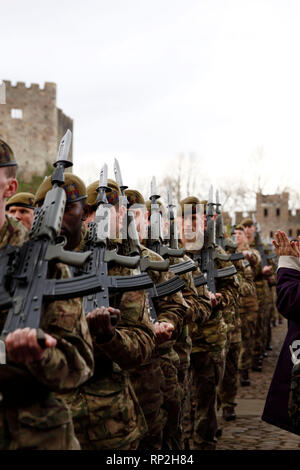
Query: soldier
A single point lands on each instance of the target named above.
(105, 410)
(11, 231)
(208, 338)
(171, 311)
(263, 295)
(229, 387)
(20, 206)
(248, 306)
(31, 416)
(183, 344)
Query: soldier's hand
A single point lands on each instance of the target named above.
(23, 347)
(102, 322)
(163, 331)
(247, 254)
(215, 299)
(283, 246)
(267, 270)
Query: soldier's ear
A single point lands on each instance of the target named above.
(11, 187)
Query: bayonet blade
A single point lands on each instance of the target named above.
(118, 174)
(170, 197)
(217, 197)
(103, 177)
(210, 195)
(233, 219)
(153, 187)
(64, 146)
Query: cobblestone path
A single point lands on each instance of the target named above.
(248, 431)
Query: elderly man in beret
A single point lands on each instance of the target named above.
(20, 206)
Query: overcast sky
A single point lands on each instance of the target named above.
(147, 80)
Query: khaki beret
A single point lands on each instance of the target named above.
(21, 200)
(7, 157)
(134, 197)
(112, 195)
(74, 187)
(247, 222)
(189, 205)
(239, 227)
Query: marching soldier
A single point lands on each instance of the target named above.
(248, 305)
(263, 294)
(31, 416)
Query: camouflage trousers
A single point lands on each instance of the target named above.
(260, 325)
(43, 425)
(148, 383)
(248, 340)
(229, 386)
(106, 414)
(172, 433)
(184, 348)
(207, 369)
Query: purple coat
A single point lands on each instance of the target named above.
(288, 304)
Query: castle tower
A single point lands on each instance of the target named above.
(32, 125)
(272, 212)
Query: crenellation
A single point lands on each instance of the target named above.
(35, 137)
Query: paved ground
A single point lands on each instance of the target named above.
(249, 432)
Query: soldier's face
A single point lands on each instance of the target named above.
(23, 214)
(71, 224)
(191, 227)
(240, 237)
(250, 232)
(8, 185)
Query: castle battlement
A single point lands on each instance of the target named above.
(32, 87)
(32, 124)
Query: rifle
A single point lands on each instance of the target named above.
(155, 235)
(259, 245)
(207, 256)
(97, 242)
(221, 240)
(23, 274)
(133, 246)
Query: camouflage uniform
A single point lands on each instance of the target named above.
(228, 388)
(165, 430)
(106, 412)
(209, 337)
(183, 347)
(270, 305)
(229, 288)
(36, 418)
(263, 293)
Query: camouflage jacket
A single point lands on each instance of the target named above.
(105, 410)
(208, 331)
(43, 420)
(13, 232)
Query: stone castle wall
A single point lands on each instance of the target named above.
(35, 136)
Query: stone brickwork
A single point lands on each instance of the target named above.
(32, 125)
(272, 213)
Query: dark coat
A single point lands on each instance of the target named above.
(288, 304)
